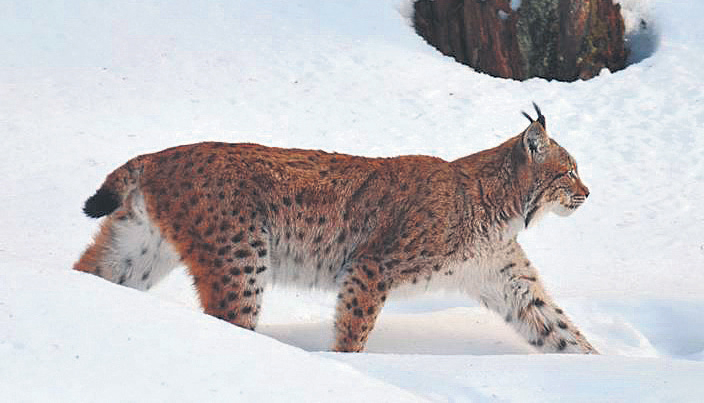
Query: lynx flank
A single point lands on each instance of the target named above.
(241, 216)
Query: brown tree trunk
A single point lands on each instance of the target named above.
(554, 39)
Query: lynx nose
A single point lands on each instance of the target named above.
(583, 189)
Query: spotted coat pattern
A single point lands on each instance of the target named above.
(241, 216)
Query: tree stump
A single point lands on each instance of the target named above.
(564, 40)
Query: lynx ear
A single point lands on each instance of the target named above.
(535, 139)
(535, 142)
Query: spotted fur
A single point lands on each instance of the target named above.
(241, 216)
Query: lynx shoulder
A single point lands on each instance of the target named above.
(241, 216)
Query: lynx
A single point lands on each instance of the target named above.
(241, 216)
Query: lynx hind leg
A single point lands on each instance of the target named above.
(359, 302)
(230, 270)
(520, 298)
(129, 249)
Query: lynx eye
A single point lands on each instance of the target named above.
(572, 174)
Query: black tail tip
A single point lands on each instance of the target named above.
(103, 202)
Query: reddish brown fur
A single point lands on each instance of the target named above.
(237, 212)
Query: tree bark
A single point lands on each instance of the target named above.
(553, 39)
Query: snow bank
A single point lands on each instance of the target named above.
(68, 336)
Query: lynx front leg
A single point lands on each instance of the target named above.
(359, 302)
(519, 296)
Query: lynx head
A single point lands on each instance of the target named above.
(556, 185)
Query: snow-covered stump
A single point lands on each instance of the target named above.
(553, 39)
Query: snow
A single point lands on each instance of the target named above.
(129, 346)
(85, 86)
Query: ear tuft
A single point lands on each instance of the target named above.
(541, 117)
